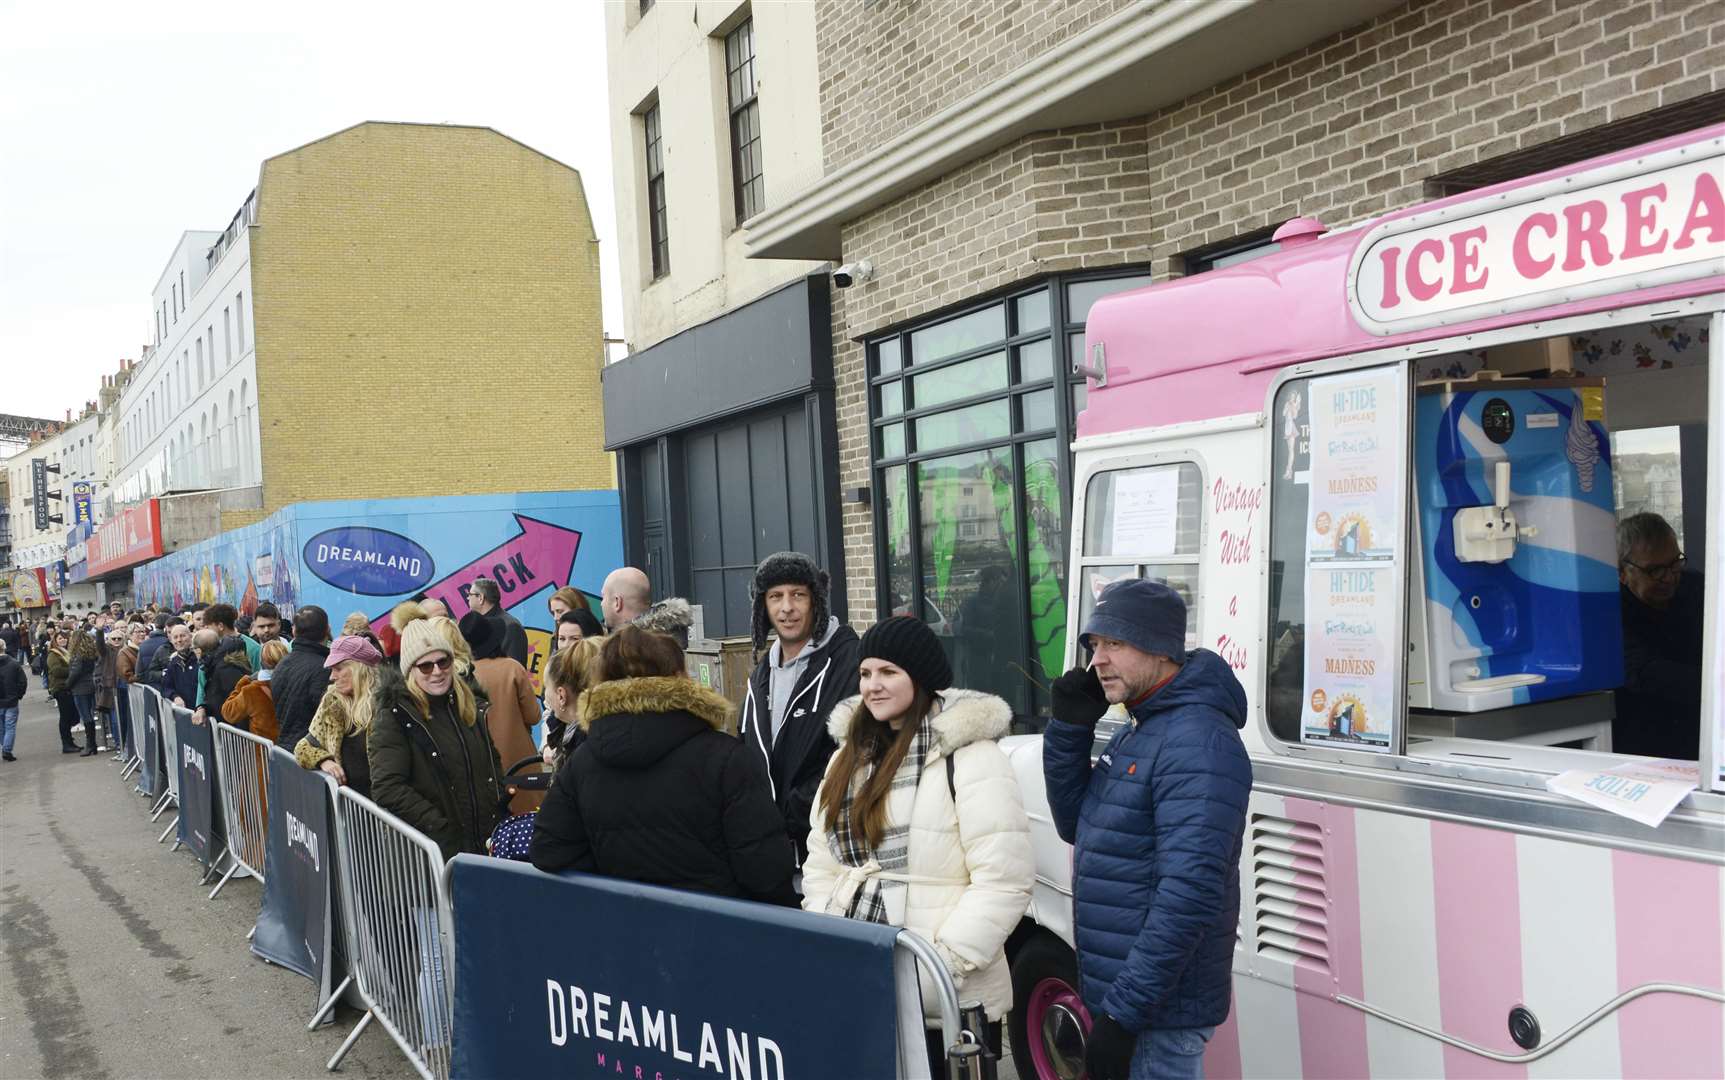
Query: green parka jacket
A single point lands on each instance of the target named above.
(437, 774)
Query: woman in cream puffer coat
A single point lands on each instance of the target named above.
(967, 878)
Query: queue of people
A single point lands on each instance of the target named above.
(856, 781)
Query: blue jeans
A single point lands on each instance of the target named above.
(86, 705)
(8, 727)
(1170, 1054)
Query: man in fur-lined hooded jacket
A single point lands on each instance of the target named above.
(811, 666)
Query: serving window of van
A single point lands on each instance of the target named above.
(1445, 578)
(1143, 521)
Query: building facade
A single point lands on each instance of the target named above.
(723, 411)
(1015, 162)
(382, 316)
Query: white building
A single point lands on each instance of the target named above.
(725, 399)
(188, 418)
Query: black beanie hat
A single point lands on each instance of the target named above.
(788, 568)
(910, 645)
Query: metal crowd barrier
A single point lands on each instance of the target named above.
(167, 721)
(242, 778)
(135, 701)
(401, 948)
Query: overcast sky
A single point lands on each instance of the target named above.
(122, 125)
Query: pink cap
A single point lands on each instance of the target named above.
(353, 647)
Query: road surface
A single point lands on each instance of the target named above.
(113, 964)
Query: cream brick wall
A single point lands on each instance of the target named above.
(887, 65)
(427, 319)
(1343, 130)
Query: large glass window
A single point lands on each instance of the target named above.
(971, 413)
(746, 165)
(657, 232)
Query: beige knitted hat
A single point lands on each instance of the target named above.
(418, 638)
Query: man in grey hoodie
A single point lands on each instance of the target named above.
(810, 667)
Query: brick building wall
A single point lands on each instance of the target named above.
(886, 65)
(427, 319)
(1346, 129)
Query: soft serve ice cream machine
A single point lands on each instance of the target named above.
(1516, 531)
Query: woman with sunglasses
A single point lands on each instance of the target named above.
(431, 758)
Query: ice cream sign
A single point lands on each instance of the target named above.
(1634, 224)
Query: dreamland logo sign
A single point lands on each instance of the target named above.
(607, 1028)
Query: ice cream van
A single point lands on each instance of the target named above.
(1386, 465)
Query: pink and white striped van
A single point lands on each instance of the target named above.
(1385, 464)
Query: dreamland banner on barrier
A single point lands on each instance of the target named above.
(367, 555)
(198, 828)
(295, 926)
(673, 986)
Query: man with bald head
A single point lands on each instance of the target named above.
(624, 597)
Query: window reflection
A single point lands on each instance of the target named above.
(969, 570)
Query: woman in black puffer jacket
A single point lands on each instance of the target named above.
(661, 791)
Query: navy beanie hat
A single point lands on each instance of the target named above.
(911, 646)
(1147, 615)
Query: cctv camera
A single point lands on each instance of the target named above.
(851, 273)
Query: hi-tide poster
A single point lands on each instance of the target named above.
(1355, 526)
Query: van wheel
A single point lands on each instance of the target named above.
(1049, 1024)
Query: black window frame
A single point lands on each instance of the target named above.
(658, 224)
(1059, 328)
(748, 182)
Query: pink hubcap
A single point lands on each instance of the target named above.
(1056, 1024)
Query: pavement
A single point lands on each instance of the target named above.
(113, 962)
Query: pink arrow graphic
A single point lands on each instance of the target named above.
(541, 555)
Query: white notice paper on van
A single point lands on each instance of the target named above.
(1146, 506)
(1644, 791)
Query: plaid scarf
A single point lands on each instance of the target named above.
(893, 854)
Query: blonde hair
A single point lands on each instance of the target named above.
(465, 705)
(362, 708)
(272, 652)
(574, 668)
(355, 623)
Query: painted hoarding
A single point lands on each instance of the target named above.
(367, 555)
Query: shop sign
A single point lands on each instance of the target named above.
(1633, 224)
(83, 495)
(132, 536)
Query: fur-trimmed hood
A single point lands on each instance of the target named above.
(656, 694)
(672, 616)
(965, 716)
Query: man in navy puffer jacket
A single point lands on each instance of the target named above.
(1157, 823)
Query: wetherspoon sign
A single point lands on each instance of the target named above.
(1637, 223)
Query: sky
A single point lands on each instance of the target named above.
(123, 125)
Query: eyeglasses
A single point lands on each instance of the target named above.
(1663, 570)
(426, 667)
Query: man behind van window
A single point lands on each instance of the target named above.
(1659, 706)
(1156, 825)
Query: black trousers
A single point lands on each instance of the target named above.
(69, 717)
(937, 1051)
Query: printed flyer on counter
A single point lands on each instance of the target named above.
(1356, 505)
(1350, 679)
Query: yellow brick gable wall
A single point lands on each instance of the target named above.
(427, 319)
